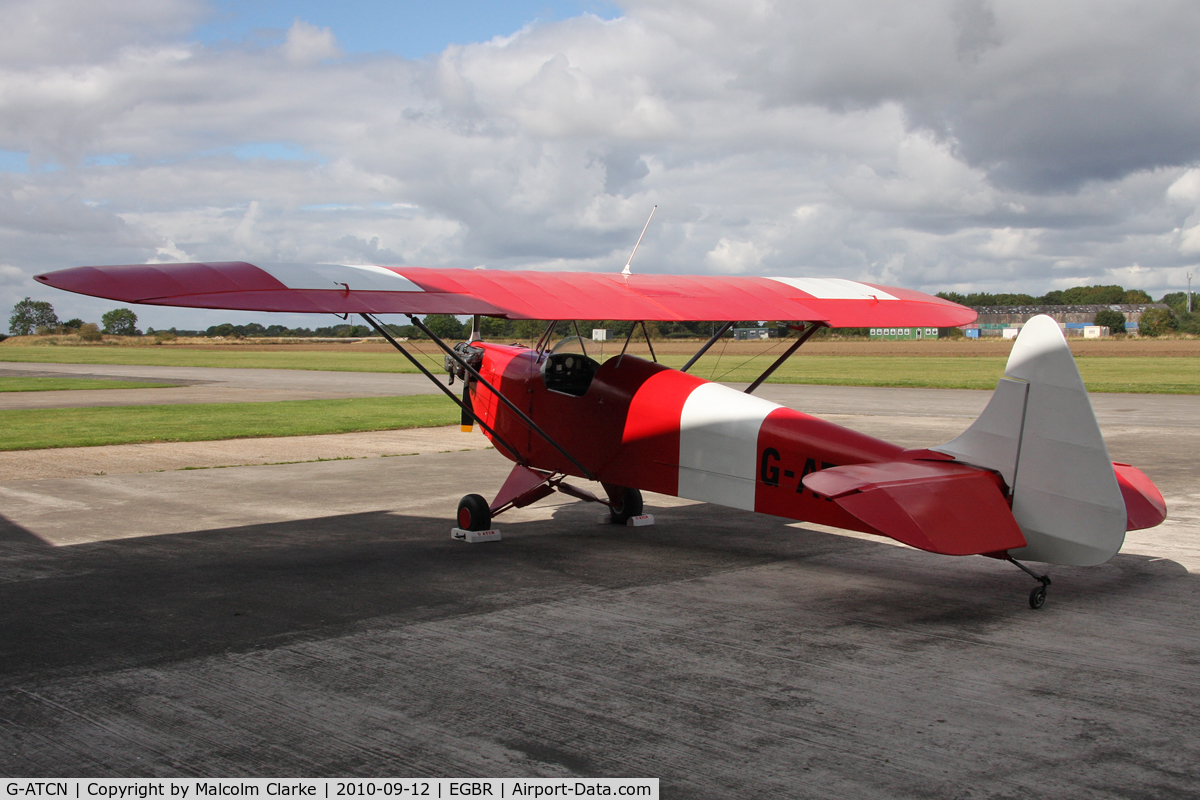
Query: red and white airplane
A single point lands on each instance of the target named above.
(1031, 479)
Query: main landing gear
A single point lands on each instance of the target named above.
(1037, 597)
(526, 486)
(624, 504)
(474, 514)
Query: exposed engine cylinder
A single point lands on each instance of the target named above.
(472, 355)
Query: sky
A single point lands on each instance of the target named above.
(961, 145)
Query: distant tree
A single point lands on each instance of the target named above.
(120, 322)
(444, 326)
(1156, 322)
(985, 299)
(1178, 301)
(981, 299)
(1113, 320)
(90, 332)
(73, 324)
(1136, 296)
(497, 329)
(29, 315)
(405, 331)
(1088, 295)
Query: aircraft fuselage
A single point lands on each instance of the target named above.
(639, 424)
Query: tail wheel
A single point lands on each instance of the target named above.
(626, 503)
(474, 514)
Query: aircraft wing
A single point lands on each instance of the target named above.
(340, 289)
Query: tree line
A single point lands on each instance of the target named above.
(1154, 322)
(1075, 296)
(37, 316)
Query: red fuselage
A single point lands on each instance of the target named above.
(642, 425)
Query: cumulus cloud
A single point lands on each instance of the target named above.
(307, 44)
(10, 275)
(54, 33)
(1000, 145)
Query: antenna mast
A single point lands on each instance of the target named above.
(639, 241)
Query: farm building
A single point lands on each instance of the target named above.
(994, 320)
(892, 334)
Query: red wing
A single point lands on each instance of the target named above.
(343, 289)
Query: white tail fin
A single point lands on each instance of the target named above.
(1040, 433)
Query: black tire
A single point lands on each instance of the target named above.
(1037, 598)
(626, 503)
(474, 514)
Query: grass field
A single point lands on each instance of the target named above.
(33, 429)
(1140, 375)
(60, 384)
(340, 360)
(1127, 366)
(1116, 367)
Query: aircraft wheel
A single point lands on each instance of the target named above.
(626, 503)
(474, 514)
(1037, 598)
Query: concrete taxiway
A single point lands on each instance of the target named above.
(316, 619)
(205, 385)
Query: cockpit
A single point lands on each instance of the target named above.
(567, 371)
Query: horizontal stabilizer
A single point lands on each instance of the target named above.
(1144, 503)
(939, 506)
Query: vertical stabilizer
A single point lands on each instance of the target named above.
(1040, 433)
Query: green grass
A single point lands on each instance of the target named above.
(1141, 374)
(277, 358)
(60, 384)
(1145, 374)
(31, 429)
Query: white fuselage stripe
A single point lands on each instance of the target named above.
(339, 276)
(836, 289)
(718, 445)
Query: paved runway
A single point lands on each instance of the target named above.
(206, 385)
(315, 619)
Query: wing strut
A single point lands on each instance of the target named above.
(715, 337)
(474, 373)
(633, 329)
(804, 337)
(461, 404)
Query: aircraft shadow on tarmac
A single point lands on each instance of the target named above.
(136, 602)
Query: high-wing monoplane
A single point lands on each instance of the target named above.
(1030, 479)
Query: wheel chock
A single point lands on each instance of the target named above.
(492, 535)
(640, 520)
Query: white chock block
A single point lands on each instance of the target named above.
(640, 520)
(492, 535)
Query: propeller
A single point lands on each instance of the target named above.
(468, 418)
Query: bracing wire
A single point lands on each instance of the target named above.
(766, 352)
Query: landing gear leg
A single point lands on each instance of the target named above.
(1037, 597)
